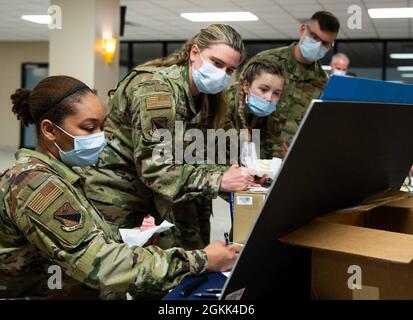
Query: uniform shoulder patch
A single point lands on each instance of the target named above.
(158, 102)
(44, 198)
(69, 217)
(37, 180)
(159, 123)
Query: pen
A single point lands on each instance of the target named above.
(214, 290)
(208, 295)
(192, 286)
(226, 236)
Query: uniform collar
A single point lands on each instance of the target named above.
(185, 76)
(59, 167)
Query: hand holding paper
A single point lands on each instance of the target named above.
(250, 159)
(136, 237)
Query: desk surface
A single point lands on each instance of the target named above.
(215, 280)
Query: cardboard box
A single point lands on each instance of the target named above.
(364, 252)
(246, 206)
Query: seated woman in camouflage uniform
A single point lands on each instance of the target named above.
(252, 101)
(47, 223)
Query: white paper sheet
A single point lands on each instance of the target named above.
(257, 189)
(250, 159)
(135, 237)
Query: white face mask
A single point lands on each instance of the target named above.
(339, 72)
(86, 149)
(208, 78)
(312, 50)
(259, 106)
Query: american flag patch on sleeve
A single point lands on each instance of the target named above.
(44, 198)
(158, 102)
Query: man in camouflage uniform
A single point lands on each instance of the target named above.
(304, 77)
(126, 185)
(46, 219)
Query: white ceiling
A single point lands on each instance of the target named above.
(160, 19)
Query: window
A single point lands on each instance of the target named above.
(255, 47)
(32, 73)
(145, 51)
(173, 46)
(399, 69)
(365, 58)
(124, 64)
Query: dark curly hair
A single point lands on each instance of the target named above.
(50, 99)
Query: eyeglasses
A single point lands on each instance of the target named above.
(314, 36)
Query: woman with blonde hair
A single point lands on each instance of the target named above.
(186, 87)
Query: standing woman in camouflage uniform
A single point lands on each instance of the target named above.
(253, 98)
(184, 88)
(46, 219)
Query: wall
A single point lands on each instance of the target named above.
(12, 55)
(106, 24)
(76, 49)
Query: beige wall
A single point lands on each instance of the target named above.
(106, 24)
(72, 48)
(12, 55)
(76, 49)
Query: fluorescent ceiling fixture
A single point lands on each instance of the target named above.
(401, 55)
(405, 68)
(326, 68)
(407, 75)
(38, 18)
(391, 13)
(219, 16)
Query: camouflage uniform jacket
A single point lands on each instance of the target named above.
(302, 84)
(45, 220)
(127, 184)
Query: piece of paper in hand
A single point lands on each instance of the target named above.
(257, 189)
(250, 159)
(135, 237)
(248, 154)
(269, 167)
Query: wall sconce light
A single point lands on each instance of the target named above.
(109, 49)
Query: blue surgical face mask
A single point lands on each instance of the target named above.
(260, 107)
(86, 149)
(209, 79)
(312, 50)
